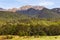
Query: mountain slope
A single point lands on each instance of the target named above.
(10, 16)
(39, 12)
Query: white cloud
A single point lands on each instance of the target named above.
(46, 3)
(37, 2)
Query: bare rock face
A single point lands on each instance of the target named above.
(12, 10)
(29, 6)
(38, 7)
(26, 8)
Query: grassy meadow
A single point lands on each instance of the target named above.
(30, 38)
(38, 38)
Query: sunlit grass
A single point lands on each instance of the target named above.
(30, 38)
(38, 38)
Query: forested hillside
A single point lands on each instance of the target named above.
(12, 23)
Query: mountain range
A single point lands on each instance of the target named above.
(34, 12)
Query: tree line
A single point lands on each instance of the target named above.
(29, 30)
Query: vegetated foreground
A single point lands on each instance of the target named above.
(29, 37)
(24, 25)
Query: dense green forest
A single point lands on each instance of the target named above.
(23, 25)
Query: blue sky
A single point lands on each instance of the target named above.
(19, 3)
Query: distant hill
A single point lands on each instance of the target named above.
(1, 9)
(56, 10)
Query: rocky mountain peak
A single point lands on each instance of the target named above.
(29, 6)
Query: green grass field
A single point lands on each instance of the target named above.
(30, 38)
